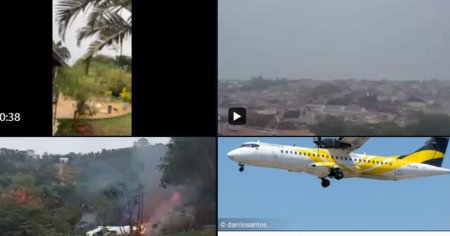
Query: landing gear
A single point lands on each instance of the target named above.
(325, 182)
(338, 175)
(241, 167)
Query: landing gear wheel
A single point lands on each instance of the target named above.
(241, 167)
(339, 175)
(325, 182)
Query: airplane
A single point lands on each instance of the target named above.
(334, 158)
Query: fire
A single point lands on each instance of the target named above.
(22, 196)
(144, 228)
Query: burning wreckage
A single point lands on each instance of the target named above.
(169, 215)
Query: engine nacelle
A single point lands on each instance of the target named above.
(330, 143)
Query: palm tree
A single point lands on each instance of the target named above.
(105, 21)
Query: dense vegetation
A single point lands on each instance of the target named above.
(108, 78)
(45, 197)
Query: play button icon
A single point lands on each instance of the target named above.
(237, 116)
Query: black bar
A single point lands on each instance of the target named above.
(26, 82)
(175, 68)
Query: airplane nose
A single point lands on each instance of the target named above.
(232, 154)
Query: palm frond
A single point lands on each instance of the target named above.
(62, 51)
(67, 10)
(114, 34)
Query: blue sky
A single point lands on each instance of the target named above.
(348, 204)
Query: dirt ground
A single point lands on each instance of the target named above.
(66, 108)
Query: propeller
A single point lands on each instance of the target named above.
(318, 141)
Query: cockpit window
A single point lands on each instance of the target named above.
(252, 145)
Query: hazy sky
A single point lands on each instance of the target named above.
(300, 203)
(71, 43)
(328, 39)
(63, 145)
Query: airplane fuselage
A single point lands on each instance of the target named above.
(319, 162)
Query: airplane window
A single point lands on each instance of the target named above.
(346, 158)
(291, 152)
(281, 151)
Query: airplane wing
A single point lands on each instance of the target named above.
(353, 142)
(348, 144)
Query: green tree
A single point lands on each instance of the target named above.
(124, 62)
(188, 158)
(75, 83)
(192, 162)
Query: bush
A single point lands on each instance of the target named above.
(125, 95)
(108, 93)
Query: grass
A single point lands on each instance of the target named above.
(117, 126)
(194, 233)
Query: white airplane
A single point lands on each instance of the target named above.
(334, 158)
